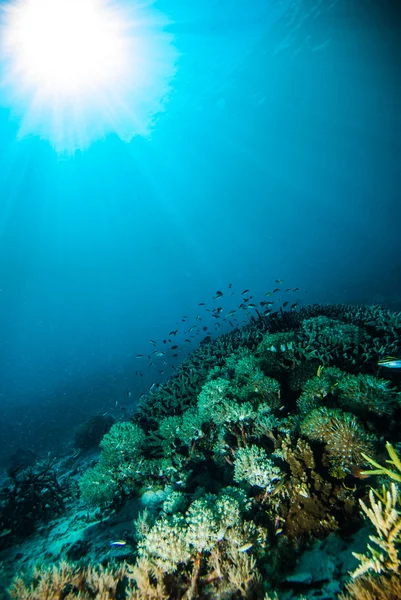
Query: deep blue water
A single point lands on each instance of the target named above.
(277, 155)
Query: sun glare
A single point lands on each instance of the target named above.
(73, 71)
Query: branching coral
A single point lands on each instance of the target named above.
(118, 469)
(386, 519)
(32, 495)
(380, 470)
(317, 388)
(366, 393)
(252, 465)
(68, 581)
(378, 575)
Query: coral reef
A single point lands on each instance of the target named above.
(259, 445)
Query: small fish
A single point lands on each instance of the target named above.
(244, 292)
(157, 353)
(276, 290)
(391, 362)
(295, 289)
(218, 295)
(231, 313)
(139, 355)
(201, 304)
(285, 303)
(230, 285)
(250, 305)
(129, 393)
(173, 332)
(118, 543)
(294, 306)
(152, 342)
(268, 294)
(245, 547)
(174, 347)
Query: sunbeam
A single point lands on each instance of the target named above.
(74, 71)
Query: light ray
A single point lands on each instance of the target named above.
(74, 71)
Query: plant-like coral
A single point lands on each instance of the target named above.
(252, 465)
(366, 393)
(380, 470)
(213, 536)
(345, 439)
(68, 581)
(317, 388)
(378, 576)
(31, 496)
(119, 468)
(386, 519)
(330, 339)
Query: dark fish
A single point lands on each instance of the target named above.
(174, 347)
(218, 295)
(276, 290)
(201, 304)
(230, 285)
(279, 280)
(244, 292)
(293, 306)
(204, 328)
(295, 289)
(285, 303)
(250, 305)
(139, 355)
(153, 342)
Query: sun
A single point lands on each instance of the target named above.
(74, 71)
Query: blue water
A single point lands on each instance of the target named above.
(277, 155)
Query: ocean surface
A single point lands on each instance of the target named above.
(253, 151)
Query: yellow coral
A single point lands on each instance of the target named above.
(387, 521)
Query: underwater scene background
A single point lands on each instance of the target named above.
(200, 296)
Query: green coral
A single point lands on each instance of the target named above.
(317, 388)
(367, 393)
(329, 339)
(345, 438)
(119, 466)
